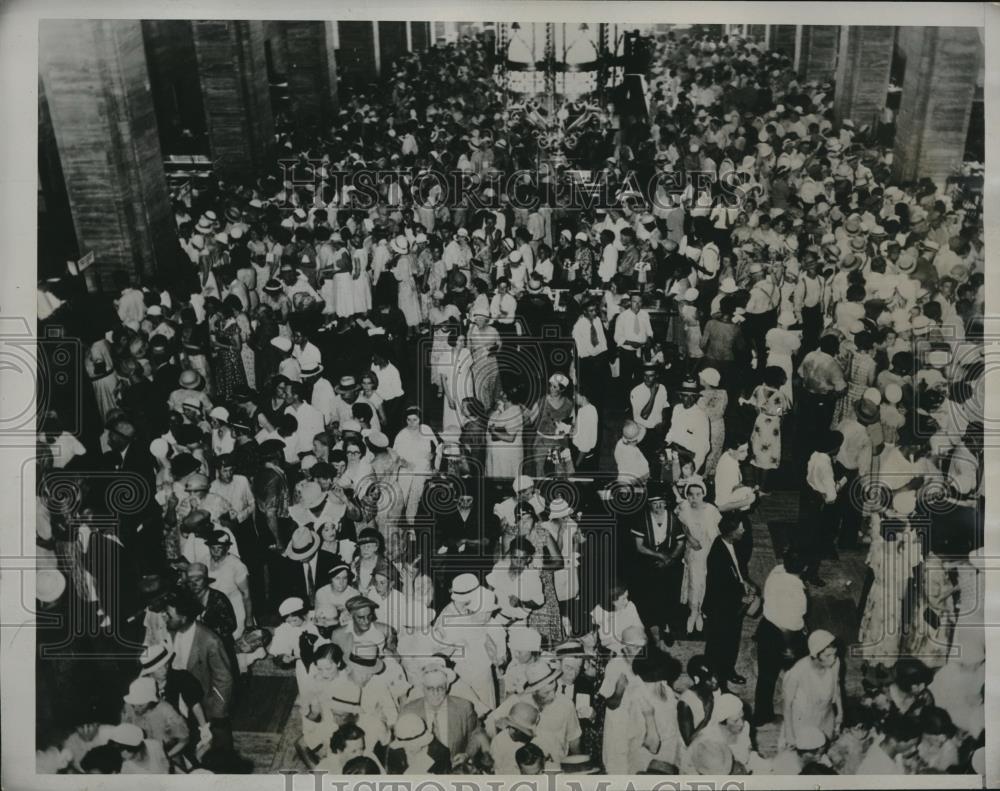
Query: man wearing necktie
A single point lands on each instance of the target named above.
(591, 348)
(633, 331)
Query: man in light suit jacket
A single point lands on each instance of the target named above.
(727, 582)
(201, 652)
(451, 719)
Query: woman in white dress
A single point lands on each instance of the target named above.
(343, 286)
(444, 321)
(315, 681)
(567, 536)
(100, 367)
(362, 284)
(782, 344)
(408, 297)
(339, 590)
(504, 452)
(457, 384)
(701, 525)
(416, 445)
(229, 576)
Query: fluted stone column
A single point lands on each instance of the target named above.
(863, 72)
(312, 69)
(101, 110)
(233, 68)
(939, 85)
(818, 57)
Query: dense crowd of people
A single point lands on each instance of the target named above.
(363, 444)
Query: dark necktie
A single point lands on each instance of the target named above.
(594, 340)
(310, 581)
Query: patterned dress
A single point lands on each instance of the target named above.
(230, 374)
(765, 442)
(859, 371)
(713, 401)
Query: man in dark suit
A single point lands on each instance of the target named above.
(451, 719)
(165, 370)
(201, 652)
(139, 526)
(217, 611)
(726, 585)
(459, 545)
(302, 569)
(112, 567)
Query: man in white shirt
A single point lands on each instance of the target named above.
(585, 434)
(631, 465)
(234, 489)
(591, 343)
(730, 493)
(309, 419)
(458, 253)
(633, 331)
(818, 513)
(900, 739)
(761, 311)
(323, 396)
(503, 308)
(781, 636)
(305, 352)
(649, 400)
(608, 267)
(131, 305)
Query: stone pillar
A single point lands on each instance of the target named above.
(818, 56)
(863, 73)
(356, 57)
(939, 85)
(312, 70)
(783, 39)
(233, 68)
(420, 35)
(101, 109)
(391, 44)
(276, 47)
(173, 78)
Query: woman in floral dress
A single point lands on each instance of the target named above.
(246, 350)
(893, 554)
(859, 371)
(713, 401)
(228, 343)
(547, 559)
(100, 367)
(504, 451)
(930, 636)
(771, 403)
(553, 409)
